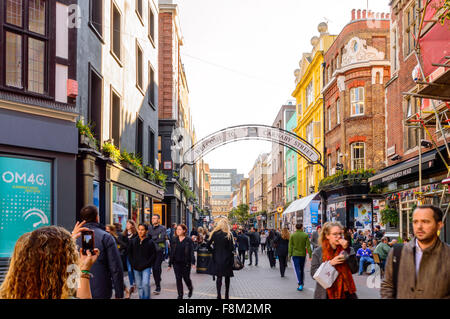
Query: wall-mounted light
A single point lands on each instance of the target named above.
(396, 157)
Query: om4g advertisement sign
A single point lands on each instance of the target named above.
(25, 199)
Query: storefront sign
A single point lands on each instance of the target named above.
(406, 172)
(25, 199)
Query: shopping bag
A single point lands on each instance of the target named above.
(237, 263)
(326, 275)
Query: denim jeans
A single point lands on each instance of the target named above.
(253, 250)
(130, 273)
(362, 260)
(143, 282)
(299, 268)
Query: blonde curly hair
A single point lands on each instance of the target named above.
(38, 267)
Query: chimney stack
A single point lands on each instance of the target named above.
(353, 14)
(358, 14)
(364, 14)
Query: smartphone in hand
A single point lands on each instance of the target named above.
(87, 241)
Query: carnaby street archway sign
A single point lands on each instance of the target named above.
(252, 132)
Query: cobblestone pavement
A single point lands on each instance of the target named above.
(254, 282)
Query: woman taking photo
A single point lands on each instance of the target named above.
(221, 245)
(282, 249)
(128, 235)
(50, 250)
(335, 249)
(181, 258)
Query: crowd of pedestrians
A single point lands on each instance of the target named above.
(415, 269)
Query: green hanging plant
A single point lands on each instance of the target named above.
(389, 215)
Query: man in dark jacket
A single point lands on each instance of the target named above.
(157, 232)
(243, 243)
(255, 241)
(142, 254)
(107, 271)
(424, 265)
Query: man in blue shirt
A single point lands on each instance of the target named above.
(365, 255)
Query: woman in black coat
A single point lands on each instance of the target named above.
(221, 265)
(270, 242)
(282, 249)
(181, 258)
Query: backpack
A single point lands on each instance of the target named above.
(396, 263)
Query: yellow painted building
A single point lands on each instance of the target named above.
(310, 122)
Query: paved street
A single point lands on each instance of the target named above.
(253, 282)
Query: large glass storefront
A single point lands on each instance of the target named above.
(128, 204)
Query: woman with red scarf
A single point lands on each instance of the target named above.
(335, 249)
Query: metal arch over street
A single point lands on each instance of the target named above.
(252, 132)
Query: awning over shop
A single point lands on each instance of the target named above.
(406, 168)
(300, 204)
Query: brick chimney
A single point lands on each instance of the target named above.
(358, 14)
(364, 14)
(353, 14)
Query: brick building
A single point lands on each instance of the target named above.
(407, 181)
(357, 67)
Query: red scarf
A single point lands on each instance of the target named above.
(344, 282)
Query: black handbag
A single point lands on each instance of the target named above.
(237, 263)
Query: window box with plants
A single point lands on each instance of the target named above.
(160, 178)
(111, 151)
(132, 162)
(346, 178)
(86, 138)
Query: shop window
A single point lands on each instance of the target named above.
(29, 72)
(357, 101)
(96, 195)
(159, 150)
(136, 207)
(358, 159)
(147, 210)
(120, 210)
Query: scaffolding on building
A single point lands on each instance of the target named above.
(437, 91)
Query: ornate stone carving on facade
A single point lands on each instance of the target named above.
(357, 50)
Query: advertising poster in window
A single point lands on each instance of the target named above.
(25, 199)
(363, 215)
(331, 212)
(120, 206)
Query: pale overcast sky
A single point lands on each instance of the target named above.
(240, 57)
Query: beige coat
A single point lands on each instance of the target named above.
(433, 280)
